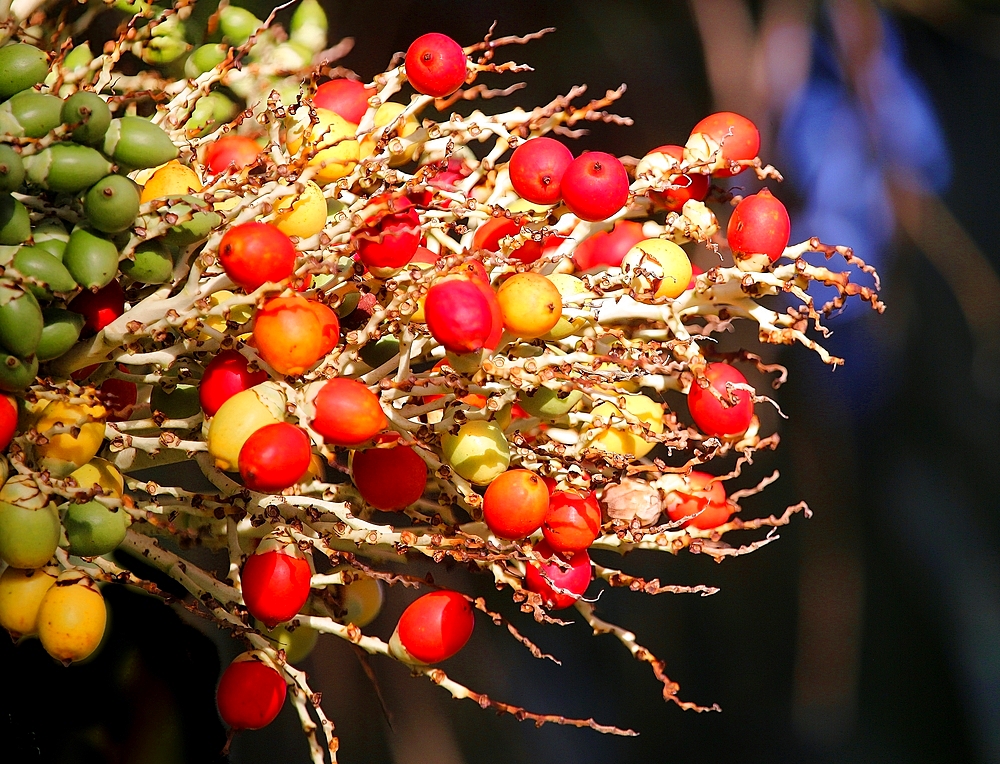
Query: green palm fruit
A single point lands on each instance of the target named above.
(45, 267)
(93, 529)
(91, 115)
(11, 169)
(16, 373)
(20, 321)
(111, 204)
(167, 42)
(192, 228)
(60, 332)
(91, 259)
(153, 263)
(138, 143)
(78, 58)
(238, 24)
(548, 404)
(309, 26)
(34, 113)
(204, 59)
(51, 235)
(377, 353)
(180, 403)
(21, 67)
(66, 167)
(15, 225)
(211, 111)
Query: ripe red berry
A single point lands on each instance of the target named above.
(389, 245)
(348, 98)
(607, 249)
(737, 136)
(250, 693)
(99, 308)
(572, 580)
(684, 186)
(8, 420)
(433, 628)
(119, 397)
(536, 169)
(701, 500)
(459, 315)
(226, 374)
(712, 416)
(275, 457)
(572, 521)
(347, 412)
(435, 65)
(275, 581)
(758, 231)
(515, 504)
(595, 186)
(254, 253)
(389, 478)
(231, 152)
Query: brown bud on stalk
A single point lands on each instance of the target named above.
(632, 499)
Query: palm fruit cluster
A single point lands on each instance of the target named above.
(385, 322)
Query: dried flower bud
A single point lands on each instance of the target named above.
(632, 499)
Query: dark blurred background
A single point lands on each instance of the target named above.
(869, 633)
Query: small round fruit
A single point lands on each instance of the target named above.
(297, 643)
(433, 628)
(90, 115)
(387, 247)
(658, 268)
(758, 231)
(226, 374)
(99, 308)
(101, 473)
(701, 502)
(237, 419)
(723, 139)
(536, 169)
(546, 403)
(63, 452)
(274, 457)
(568, 286)
(94, 529)
(254, 253)
(515, 504)
(302, 215)
(459, 315)
(112, 204)
(399, 154)
(572, 521)
(231, 153)
(362, 599)
(347, 412)
(721, 418)
(72, 617)
(683, 187)
(333, 148)
(21, 594)
(607, 249)
(389, 478)
(173, 179)
(435, 65)
(251, 693)
(560, 583)
(8, 420)
(624, 442)
(151, 263)
(531, 305)
(348, 98)
(276, 581)
(292, 333)
(595, 186)
(29, 524)
(479, 452)
(23, 66)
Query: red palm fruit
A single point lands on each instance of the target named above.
(275, 457)
(231, 152)
(99, 308)
(433, 628)
(250, 694)
(488, 234)
(738, 137)
(8, 420)
(424, 255)
(572, 521)
(276, 580)
(685, 186)
(348, 98)
(119, 397)
(536, 169)
(595, 186)
(389, 478)
(572, 581)
(758, 231)
(459, 315)
(729, 416)
(515, 504)
(254, 253)
(701, 500)
(607, 249)
(435, 65)
(226, 374)
(390, 244)
(695, 273)
(347, 412)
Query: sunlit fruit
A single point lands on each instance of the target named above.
(276, 580)
(531, 305)
(346, 412)
(433, 628)
(559, 581)
(251, 692)
(479, 452)
(515, 504)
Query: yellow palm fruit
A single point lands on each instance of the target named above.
(63, 452)
(303, 215)
(100, 472)
(238, 418)
(171, 179)
(21, 593)
(332, 139)
(386, 114)
(72, 617)
(616, 441)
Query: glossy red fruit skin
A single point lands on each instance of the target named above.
(8, 421)
(226, 374)
(436, 626)
(99, 308)
(572, 521)
(275, 586)
(392, 243)
(607, 249)
(759, 225)
(275, 457)
(348, 98)
(119, 397)
(254, 253)
(742, 144)
(702, 496)
(514, 506)
(489, 234)
(231, 152)
(688, 186)
(595, 186)
(574, 579)
(709, 413)
(536, 169)
(435, 65)
(389, 479)
(250, 695)
(347, 413)
(459, 315)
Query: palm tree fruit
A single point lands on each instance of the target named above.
(51, 235)
(34, 113)
(15, 225)
(195, 227)
(21, 321)
(548, 404)
(17, 373)
(111, 204)
(138, 143)
(21, 66)
(67, 167)
(45, 267)
(91, 115)
(180, 403)
(205, 58)
(60, 331)
(78, 58)
(92, 260)
(94, 529)
(11, 168)
(210, 112)
(153, 263)
(29, 524)
(238, 24)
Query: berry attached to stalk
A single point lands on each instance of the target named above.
(572, 521)
(389, 478)
(560, 582)
(536, 169)
(275, 457)
(726, 417)
(347, 412)
(433, 628)
(758, 231)
(459, 315)
(254, 253)
(276, 580)
(435, 65)
(595, 186)
(251, 692)
(701, 502)
(515, 504)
